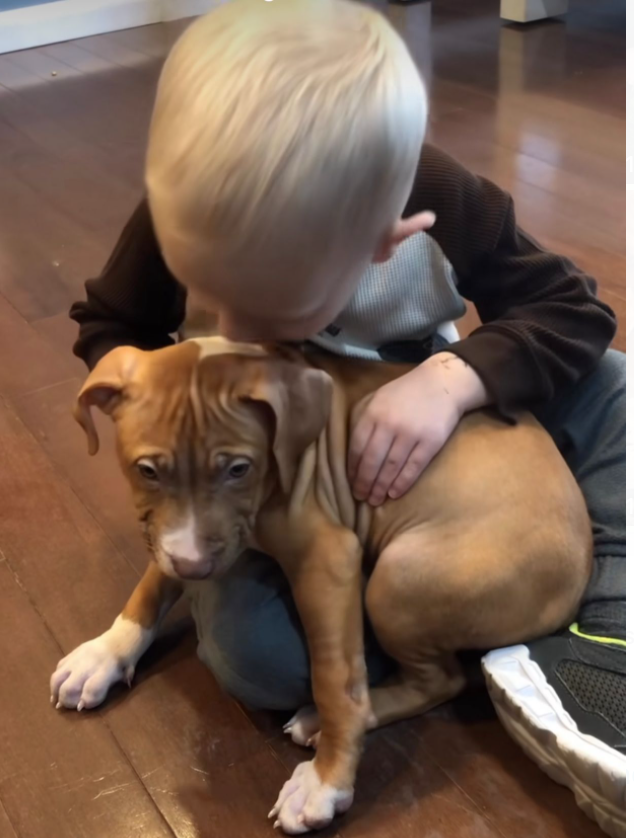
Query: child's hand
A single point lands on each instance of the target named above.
(407, 422)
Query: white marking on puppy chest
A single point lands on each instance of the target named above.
(181, 542)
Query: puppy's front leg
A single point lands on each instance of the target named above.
(325, 574)
(83, 678)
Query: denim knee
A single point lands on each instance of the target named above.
(246, 670)
(610, 373)
(250, 636)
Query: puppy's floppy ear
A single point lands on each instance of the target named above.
(104, 388)
(300, 399)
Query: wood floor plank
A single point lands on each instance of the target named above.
(78, 187)
(414, 764)
(27, 360)
(44, 524)
(519, 125)
(175, 28)
(97, 480)
(73, 55)
(541, 208)
(102, 109)
(73, 140)
(154, 40)
(115, 51)
(6, 828)
(43, 65)
(466, 741)
(60, 333)
(43, 267)
(507, 167)
(207, 768)
(554, 66)
(15, 77)
(57, 776)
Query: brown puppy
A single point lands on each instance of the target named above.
(227, 446)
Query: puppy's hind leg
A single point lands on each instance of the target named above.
(409, 612)
(409, 605)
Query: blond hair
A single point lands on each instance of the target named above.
(284, 139)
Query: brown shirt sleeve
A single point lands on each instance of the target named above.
(135, 301)
(543, 326)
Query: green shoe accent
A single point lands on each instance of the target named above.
(612, 641)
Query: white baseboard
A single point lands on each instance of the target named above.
(64, 20)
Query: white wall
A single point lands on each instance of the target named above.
(66, 19)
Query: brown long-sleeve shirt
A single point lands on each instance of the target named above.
(543, 327)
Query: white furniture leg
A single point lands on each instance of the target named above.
(525, 11)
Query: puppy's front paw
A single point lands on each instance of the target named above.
(306, 802)
(305, 727)
(83, 678)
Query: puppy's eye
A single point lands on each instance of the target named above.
(147, 470)
(239, 469)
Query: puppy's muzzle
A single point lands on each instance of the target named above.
(190, 556)
(191, 568)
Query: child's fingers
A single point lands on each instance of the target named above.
(371, 461)
(361, 435)
(392, 466)
(416, 464)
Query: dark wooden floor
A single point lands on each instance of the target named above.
(540, 110)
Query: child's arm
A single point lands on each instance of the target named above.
(543, 327)
(135, 301)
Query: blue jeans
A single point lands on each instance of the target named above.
(249, 631)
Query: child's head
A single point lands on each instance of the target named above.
(283, 145)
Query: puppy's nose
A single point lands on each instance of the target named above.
(181, 544)
(191, 569)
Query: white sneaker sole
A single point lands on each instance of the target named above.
(532, 713)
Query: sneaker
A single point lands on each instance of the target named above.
(562, 699)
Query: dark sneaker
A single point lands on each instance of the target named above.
(563, 701)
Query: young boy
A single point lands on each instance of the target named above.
(289, 192)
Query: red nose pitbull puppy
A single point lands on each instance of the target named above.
(227, 446)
